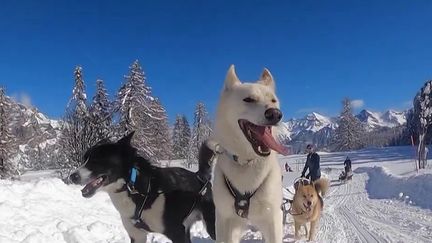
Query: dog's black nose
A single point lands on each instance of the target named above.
(309, 203)
(273, 115)
(75, 178)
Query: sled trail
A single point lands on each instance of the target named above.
(350, 216)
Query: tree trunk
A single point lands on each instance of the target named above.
(420, 149)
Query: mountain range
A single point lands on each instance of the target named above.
(37, 133)
(317, 129)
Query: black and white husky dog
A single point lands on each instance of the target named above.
(149, 198)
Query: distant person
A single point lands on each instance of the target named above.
(312, 163)
(347, 165)
(287, 167)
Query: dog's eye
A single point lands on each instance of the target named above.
(304, 196)
(249, 100)
(273, 100)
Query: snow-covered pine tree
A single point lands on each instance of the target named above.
(77, 134)
(161, 139)
(423, 108)
(201, 131)
(176, 138)
(133, 103)
(101, 112)
(78, 100)
(349, 135)
(8, 166)
(181, 137)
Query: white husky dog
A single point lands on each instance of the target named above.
(247, 177)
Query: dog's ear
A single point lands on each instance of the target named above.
(267, 79)
(126, 140)
(231, 79)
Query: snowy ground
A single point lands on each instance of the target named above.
(385, 202)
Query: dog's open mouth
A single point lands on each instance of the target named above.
(307, 207)
(90, 188)
(261, 138)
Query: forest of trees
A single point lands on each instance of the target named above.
(134, 107)
(86, 122)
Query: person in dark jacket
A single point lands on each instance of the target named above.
(347, 164)
(312, 163)
(288, 168)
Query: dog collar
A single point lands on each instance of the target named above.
(133, 175)
(218, 149)
(236, 157)
(131, 184)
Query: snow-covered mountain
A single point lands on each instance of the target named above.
(389, 118)
(317, 128)
(312, 123)
(37, 135)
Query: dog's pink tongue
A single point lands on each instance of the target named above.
(270, 142)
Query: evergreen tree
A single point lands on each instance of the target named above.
(79, 97)
(101, 112)
(134, 101)
(8, 166)
(350, 133)
(181, 137)
(423, 110)
(77, 134)
(176, 138)
(161, 138)
(201, 131)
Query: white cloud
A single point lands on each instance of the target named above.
(26, 99)
(357, 104)
(23, 98)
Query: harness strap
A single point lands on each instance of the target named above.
(138, 211)
(201, 192)
(130, 186)
(241, 200)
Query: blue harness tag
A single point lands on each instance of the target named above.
(133, 175)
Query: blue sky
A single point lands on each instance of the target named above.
(377, 52)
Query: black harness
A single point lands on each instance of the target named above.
(144, 200)
(241, 200)
(202, 192)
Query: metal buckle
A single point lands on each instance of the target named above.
(131, 189)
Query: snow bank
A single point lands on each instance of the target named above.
(383, 185)
(47, 210)
(40, 210)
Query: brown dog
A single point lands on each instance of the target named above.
(308, 204)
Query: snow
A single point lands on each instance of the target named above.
(47, 210)
(389, 118)
(383, 185)
(387, 201)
